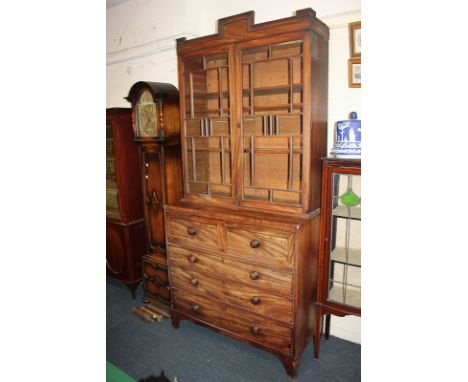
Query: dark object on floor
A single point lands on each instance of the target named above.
(195, 354)
(152, 378)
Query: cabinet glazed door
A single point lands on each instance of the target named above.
(112, 192)
(272, 123)
(344, 276)
(207, 123)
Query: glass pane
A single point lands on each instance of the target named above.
(345, 241)
(112, 200)
(272, 123)
(208, 126)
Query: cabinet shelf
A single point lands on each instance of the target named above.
(339, 255)
(353, 296)
(275, 87)
(201, 113)
(205, 95)
(347, 212)
(210, 150)
(274, 106)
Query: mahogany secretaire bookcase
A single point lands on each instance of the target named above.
(242, 244)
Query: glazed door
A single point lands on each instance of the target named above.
(344, 238)
(112, 192)
(206, 111)
(272, 124)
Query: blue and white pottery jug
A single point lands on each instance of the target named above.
(348, 138)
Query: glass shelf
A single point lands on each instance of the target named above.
(347, 212)
(353, 258)
(351, 297)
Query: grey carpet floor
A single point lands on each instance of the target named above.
(196, 354)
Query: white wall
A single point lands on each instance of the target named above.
(141, 47)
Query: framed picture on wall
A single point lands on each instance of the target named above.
(354, 72)
(355, 39)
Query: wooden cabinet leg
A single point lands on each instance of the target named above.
(175, 320)
(132, 287)
(317, 331)
(290, 364)
(327, 326)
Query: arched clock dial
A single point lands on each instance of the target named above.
(146, 115)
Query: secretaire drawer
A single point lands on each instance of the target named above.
(232, 292)
(255, 328)
(274, 248)
(192, 231)
(253, 275)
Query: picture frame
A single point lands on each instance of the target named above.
(355, 39)
(354, 72)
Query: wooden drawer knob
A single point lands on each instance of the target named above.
(255, 243)
(192, 231)
(194, 281)
(254, 275)
(195, 308)
(255, 300)
(255, 330)
(193, 259)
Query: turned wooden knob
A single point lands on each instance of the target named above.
(254, 275)
(255, 330)
(255, 243)
(192, 231)
(194, 281)
(195, 308)
(255, 300)
(193, 259)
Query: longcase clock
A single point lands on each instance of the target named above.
(156, 129)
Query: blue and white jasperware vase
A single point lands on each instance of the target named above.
(348, 138)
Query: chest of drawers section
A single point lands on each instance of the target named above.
(243, 277)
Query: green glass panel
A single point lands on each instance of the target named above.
(350, 199)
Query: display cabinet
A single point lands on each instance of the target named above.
(243, 241)
(125, 231)
(339, 287)
(156, 125)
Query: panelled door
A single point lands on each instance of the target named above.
(272, 123)
(208, 139)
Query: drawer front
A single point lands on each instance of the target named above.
(232, 292)
(193, 232)
(273, 248)
(255, 276)
(255, 328)
(200, 307)
(155, 280)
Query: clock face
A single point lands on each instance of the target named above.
(147, 117)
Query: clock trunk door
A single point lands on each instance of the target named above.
(154, 199)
